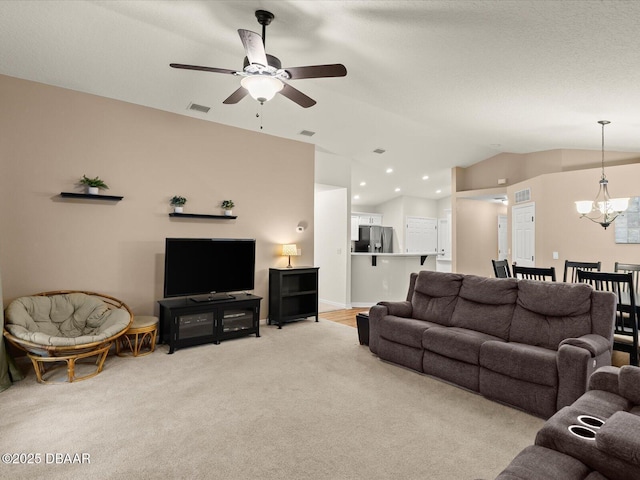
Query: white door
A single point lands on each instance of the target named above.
(524, 235)
(421, 235)
(502, 237)
(444, 238)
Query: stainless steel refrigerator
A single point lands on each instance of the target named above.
(374, 239)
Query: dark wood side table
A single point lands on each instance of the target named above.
(362, 320)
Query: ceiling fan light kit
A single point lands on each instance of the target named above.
(263, 75)
(262, 87)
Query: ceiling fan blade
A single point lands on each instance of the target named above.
(236, 96)
(297, 96)
(203, 69)
(254, 47)
(317, 71)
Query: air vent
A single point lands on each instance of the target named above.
(379, 150)
(307, 133)
(523, 195)
(198, 108)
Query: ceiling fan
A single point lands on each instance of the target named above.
(263, 75)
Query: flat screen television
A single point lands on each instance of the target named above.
(211, 266)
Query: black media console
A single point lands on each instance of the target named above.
(184, 322)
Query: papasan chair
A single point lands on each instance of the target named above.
(66, 326)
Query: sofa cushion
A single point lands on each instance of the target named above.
(547, 313)
(523, 362)
(435, 295)
(620, 437)
(458, 343)
(406, 331)
(601, 404)
(486, 305)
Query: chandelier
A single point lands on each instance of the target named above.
(604, 209)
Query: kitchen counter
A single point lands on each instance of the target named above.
(384, 276)
(375, 255)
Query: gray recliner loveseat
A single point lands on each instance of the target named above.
(570, 447)
(525, 343)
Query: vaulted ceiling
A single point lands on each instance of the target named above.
(435, 84)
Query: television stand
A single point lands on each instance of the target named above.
(213, 297)
(185, 323)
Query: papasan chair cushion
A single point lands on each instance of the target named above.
(71, 319)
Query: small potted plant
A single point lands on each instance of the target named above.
(177, 202)
(227, 205)
(93, 184)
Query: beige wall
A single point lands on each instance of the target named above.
(560, 229)
(477, 235)
(516, 168)
(52, 136)
(557, 178)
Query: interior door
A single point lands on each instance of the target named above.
(524, 235)
(444, 237)
(503, 247)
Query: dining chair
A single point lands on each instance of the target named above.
(625, 333)
(633, 269)
(501, 268)
(535, 273)
(570, 269)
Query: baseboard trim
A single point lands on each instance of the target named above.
(339, 306)
(362, 305)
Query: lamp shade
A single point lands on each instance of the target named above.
(619, 204)
(290, 249)
(262, 87)
(584, 206)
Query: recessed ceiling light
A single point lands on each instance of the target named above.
(307, 133)
(397, 189)
(356, 197)
(379, 150)
(362, 184)
(438, 191)
(426, 177)
(389, 170)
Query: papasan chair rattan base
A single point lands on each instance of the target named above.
(65, 327)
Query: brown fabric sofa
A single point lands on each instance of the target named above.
(529, 344)
(613, 453)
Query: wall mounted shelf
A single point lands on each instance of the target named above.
(201, 215)
(111, 198)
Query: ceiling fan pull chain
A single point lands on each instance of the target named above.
(259, 115)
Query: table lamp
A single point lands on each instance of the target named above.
(289, 250)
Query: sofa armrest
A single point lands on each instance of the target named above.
(620, 437)
(577, 360)
(595, 344)
(399, 309)
(606, 379)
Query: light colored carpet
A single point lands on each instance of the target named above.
(304, 402)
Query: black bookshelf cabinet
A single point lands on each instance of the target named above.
(293, 294)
